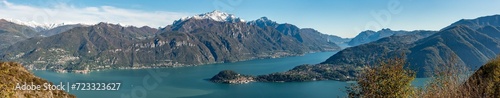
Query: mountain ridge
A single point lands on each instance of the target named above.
(11, 33)
(423, 52)
(460, 43)
(190, 42)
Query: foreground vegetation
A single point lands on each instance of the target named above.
(390, 79)
(12, 73)
(387, 80)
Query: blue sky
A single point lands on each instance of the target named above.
(345, 18)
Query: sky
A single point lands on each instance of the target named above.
(344, 18)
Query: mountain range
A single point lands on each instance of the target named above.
(460, 44)
(11, 33)
(468, 42)
(370, 36)
(217, 37)
(212, 37)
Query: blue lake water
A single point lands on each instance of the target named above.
(190, 82)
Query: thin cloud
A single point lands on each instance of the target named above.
(69, 14)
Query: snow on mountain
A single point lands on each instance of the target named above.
(214, 15)
(35, 25)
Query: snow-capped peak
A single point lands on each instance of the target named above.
(214, 15)
(35, 25)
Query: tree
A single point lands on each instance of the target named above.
(388, 79)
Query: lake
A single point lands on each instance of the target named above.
(190, 82)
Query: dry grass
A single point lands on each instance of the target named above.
(391, 80)
(454, 81)
(485, 82)
(12, 73)
(446, 81)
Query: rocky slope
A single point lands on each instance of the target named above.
(12, 73)
(460, 44)
(79, 48)
(371, 52)
(423, 50)
(11, 33)
(195, 41)
(470, 47)
(347, 68)
(212, 37)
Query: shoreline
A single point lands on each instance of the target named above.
(87, 71)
